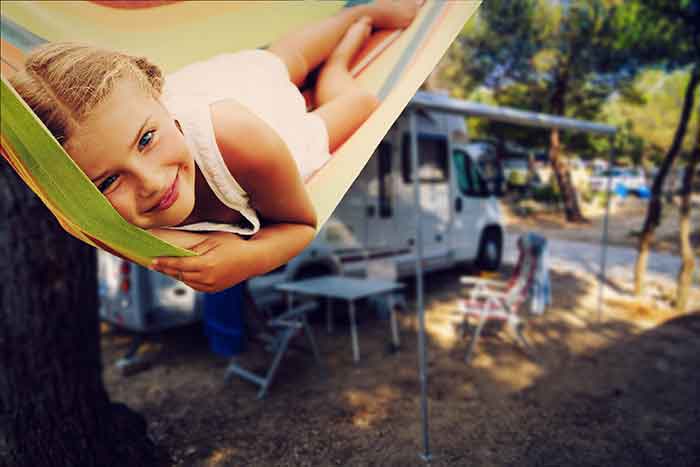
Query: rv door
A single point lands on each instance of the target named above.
(380, 211)
(433, 177)
(470, 196)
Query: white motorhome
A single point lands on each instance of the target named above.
(461, 220)
(461, 223)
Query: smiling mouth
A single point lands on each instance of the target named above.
(169, 197)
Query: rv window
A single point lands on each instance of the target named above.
(386, 188)
(432, 158)
(470, 181)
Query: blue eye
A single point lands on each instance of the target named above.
(146, 139)
(107, 183)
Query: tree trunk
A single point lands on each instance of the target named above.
(54, 410)
(572, 209)
(653, 217)
(685, 274)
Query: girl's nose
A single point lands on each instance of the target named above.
(149, 183)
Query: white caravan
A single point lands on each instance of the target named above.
(461, 222)
(461, 218)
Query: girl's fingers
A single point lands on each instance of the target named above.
(188, 263)
(192, 279)
(191, 263)
(183, 276)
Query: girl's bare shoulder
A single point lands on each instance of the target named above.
(248, 145)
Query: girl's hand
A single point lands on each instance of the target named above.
(225, 259)
(220, 263)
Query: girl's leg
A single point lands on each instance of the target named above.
(344, 115)
(334, 78)
(343, 104)
(304, 50)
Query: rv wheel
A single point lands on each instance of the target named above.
(490, 250)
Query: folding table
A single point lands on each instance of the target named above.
(349, 289)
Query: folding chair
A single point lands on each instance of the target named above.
(502, 301)
(276, 333)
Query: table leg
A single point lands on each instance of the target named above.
(353, 331)
(329, 316)
(312, 342)
(394, 325)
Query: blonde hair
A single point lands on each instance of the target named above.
(63, 82)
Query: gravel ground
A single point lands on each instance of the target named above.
(622, 391)
(626, 220)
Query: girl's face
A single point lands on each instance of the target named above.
(133, 151)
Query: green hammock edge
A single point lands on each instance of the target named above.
(62, 181)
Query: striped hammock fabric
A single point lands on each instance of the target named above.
(174, 33)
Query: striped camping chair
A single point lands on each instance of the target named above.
(502, 301)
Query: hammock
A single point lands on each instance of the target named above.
(173, 34)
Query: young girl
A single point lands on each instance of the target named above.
(221, 146)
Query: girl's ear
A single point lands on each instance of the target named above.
(177, 124)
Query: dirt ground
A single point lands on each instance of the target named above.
(625, 222)
(622, 391)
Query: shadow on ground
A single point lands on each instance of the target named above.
(604, 393)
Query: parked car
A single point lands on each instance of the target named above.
(635, 179)
(622, 180)
(599, 181)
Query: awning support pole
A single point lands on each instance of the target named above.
(422, 352)
(604, 240)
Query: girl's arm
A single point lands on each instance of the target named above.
(225, 259)
(305, 49)
(261, 163)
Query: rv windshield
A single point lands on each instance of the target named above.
(483, 154)
(469, 177)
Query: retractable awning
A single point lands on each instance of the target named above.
(446, 104)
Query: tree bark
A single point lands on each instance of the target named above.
(54, 410)
(653, 217)
(685, 274)
(572, 209)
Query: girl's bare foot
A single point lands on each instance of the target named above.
(394, 14)
(351, 43)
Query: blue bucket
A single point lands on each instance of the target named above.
(224, 321)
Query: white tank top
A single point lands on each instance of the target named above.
(258, 80)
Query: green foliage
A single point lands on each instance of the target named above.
(544, 56)
(662, 32)
(601, 198)
(629, 148)
(588, 196)
(655, 121)
(496, 46)
(580, 59)
(518, 178)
